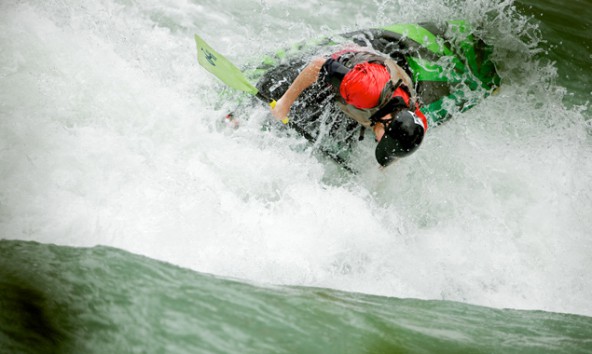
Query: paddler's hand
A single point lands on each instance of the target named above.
(305, 79)
(280, 110)
(378, 131)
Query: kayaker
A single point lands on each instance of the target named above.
(371, 89)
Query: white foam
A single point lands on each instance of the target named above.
(108, 136)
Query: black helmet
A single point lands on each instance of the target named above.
(402, 136)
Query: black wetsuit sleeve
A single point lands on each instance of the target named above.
(332, 73)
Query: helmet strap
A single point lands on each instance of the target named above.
(394, 104)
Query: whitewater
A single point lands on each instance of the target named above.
(110, 135)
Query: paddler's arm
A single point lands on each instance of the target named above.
(304, 80)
